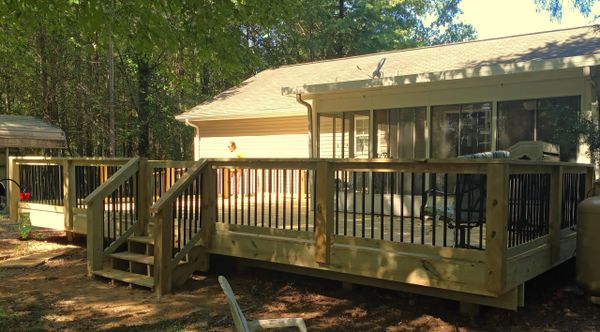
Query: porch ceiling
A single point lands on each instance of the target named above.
(29, 132)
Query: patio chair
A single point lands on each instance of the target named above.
(468, 210)
(243, 325)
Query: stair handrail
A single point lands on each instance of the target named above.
(95, 204)
(178, 187)
(161, 213)
(114, 181)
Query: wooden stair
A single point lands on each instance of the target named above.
(134, 265)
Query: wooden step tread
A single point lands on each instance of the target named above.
(133, 257)
(141, 239)
(128, 277)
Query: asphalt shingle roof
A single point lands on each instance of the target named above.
(261, 95)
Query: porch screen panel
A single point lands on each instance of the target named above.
(460, 129)
(400, 133)
(334, 135)
(551, 113)
(538, 120)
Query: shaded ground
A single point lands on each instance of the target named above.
(57, 296)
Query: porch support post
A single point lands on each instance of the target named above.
(163, 250)
(324, 219)
(496, 226)
(556, 198)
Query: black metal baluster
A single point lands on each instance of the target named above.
(292, 187)
(382, 219)
(412, 207)
(392, 190)
(300, 199)
(284, 172)
(372, 193)
(423, 198)
(434, 206)
(270, 194)
(345, 178)
(401, 192)
(336, 201)
(364, 194)
(277, 198)
(354, 203)
(446, 209)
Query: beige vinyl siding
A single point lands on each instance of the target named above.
(281, 137)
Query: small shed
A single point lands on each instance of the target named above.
(18, 131)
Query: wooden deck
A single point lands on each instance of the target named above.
(527, 220)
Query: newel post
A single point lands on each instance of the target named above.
(324, 212)
(13, 173)
(209, 204)
(163, 250)
(95, 236)
(496, 226)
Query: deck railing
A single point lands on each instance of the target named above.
(483, 205)
(482, 226)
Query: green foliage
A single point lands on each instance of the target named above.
(170, 55)
(576, 127)
(555, 7)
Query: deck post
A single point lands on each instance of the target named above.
(95, 235)
(69, 195)
(13, 173)
(496, 226)
(324, 208)
(163, 250)
(144, 185)
(556, 199)
(209, 204)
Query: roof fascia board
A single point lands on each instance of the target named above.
(195, 117)
(309, 91)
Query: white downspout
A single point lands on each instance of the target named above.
(196, 139)
(309, 109)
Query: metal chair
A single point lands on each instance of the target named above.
(243, 325)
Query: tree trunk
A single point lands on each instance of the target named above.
(143, 110)
(339, 48)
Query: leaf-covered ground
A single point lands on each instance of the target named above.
(58, 296)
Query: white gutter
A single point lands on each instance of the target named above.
(196, 139)
(310, 130)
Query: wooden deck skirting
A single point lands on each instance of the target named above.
(526, 231)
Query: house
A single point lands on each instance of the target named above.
(431, 102)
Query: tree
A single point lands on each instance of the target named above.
(555, 7)
(56, 60)
(317, 29)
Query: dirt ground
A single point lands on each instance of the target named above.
(58, 296)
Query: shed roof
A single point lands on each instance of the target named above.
(270, 93)
(29, 132)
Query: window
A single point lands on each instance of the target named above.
(400, 133)
(361, 136)
(343, 135)
(536, 120)
(460, 129)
